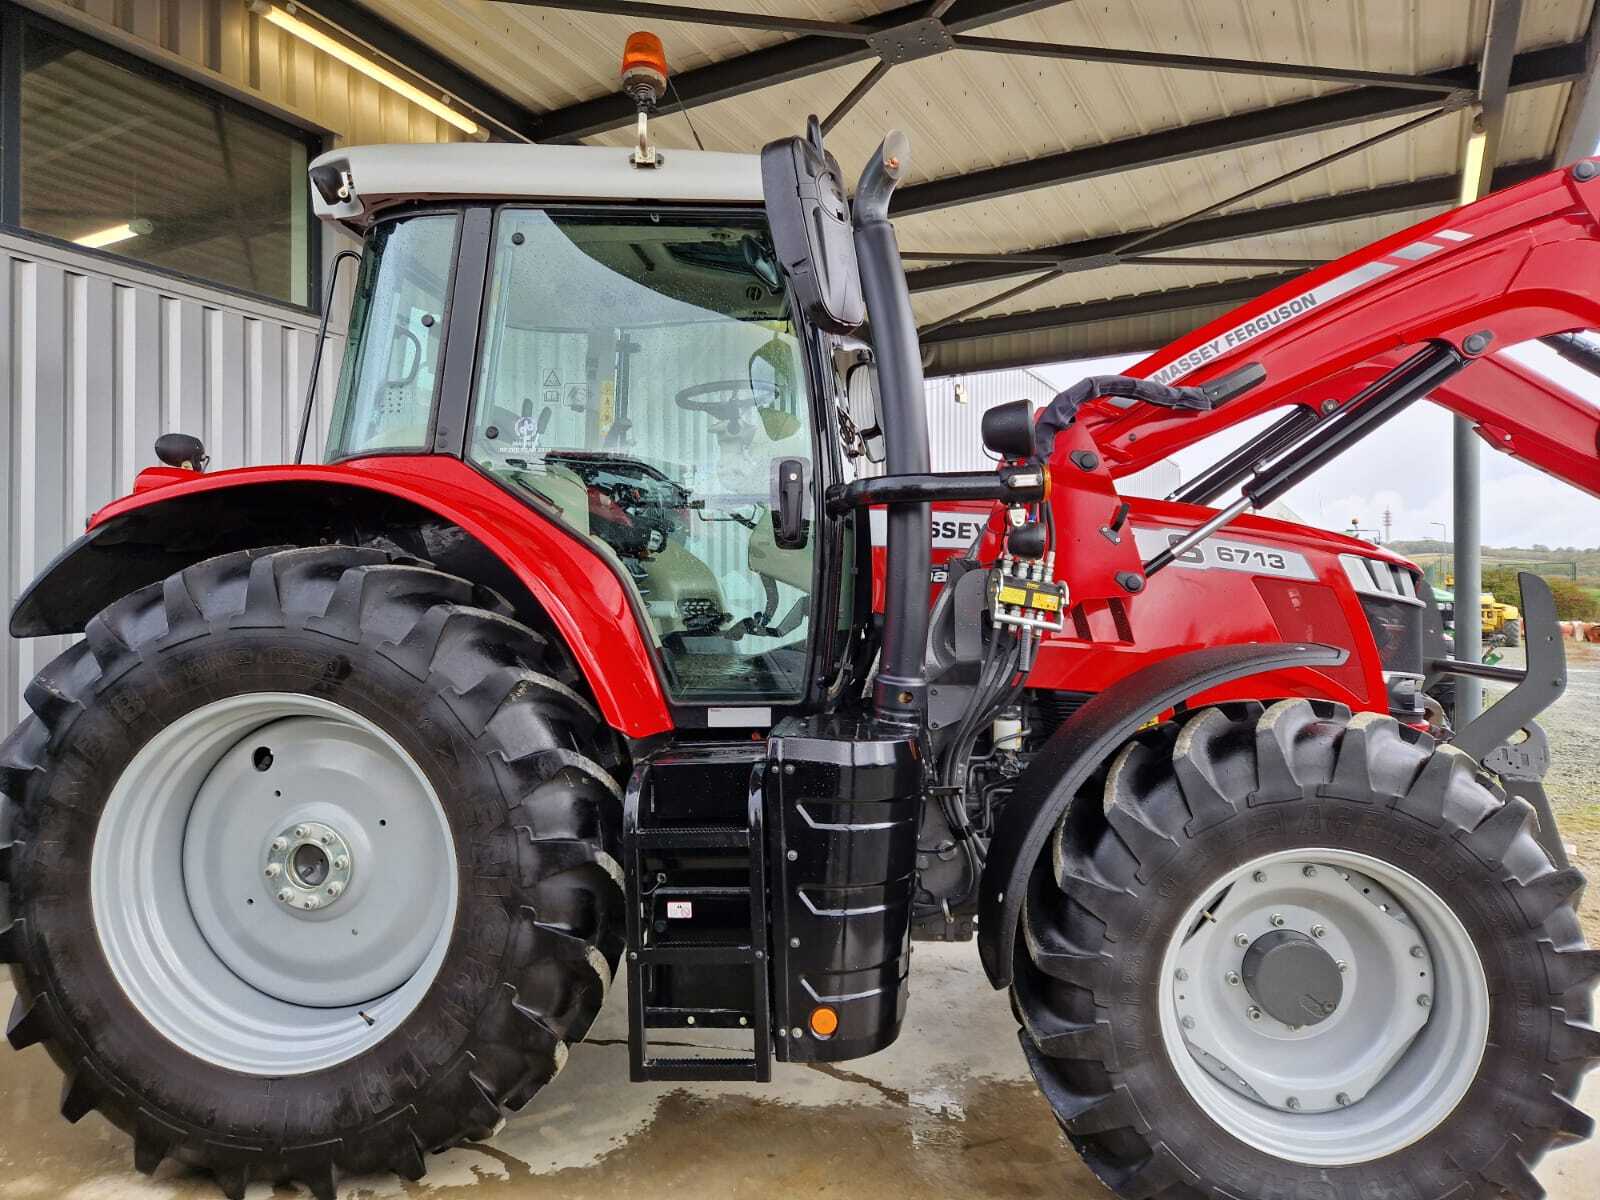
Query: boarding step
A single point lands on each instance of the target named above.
(695, 837)
(701, 1070)
(698, 954)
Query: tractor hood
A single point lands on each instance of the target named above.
(350, 186)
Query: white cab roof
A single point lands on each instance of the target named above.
(380, 176)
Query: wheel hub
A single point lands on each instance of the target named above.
(1323, 1003)
(1292, 978)
(308, 866)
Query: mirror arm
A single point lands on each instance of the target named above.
(1009, 485)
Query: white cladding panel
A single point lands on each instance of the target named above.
(94, 364)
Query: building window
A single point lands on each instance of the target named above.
(112, 154)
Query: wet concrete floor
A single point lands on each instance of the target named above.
(948, 1111)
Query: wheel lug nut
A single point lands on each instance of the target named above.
(1425, 1001)
(1259, 877)
(1416, 952)
(299, 831)
(1187, 1022)
(272, 870)
(1180, 974)
(280, 843)
(341, 863)
(1292, 1103)
(335, 888)
(310, 902)
(327, 839)
(1343, 966)
(1342, 1099)
(1309, 872)
(1241, 939)
(1318, 931)
(1253, 1013)
(285, 895)
(1233, 978)
(1277, 920)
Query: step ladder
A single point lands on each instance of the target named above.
(661, 941)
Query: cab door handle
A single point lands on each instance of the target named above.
(790, 527)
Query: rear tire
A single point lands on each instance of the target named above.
(509, 765)
(1188, 810)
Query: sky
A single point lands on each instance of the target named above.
(1405, 468)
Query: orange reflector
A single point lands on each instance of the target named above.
(824, 1022)
(643, 52)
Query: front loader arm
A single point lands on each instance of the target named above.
(1523, 263)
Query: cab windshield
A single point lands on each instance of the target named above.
(640, 375)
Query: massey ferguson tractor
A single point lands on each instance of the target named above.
(366, 779)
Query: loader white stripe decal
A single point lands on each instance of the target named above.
(1271, 319)
(1417, 250)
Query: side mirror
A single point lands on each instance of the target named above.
(866, 411)
(182, 450)
(773, 371)
(811, 233)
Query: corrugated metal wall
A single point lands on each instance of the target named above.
(97, 363)
(955, 436)
(97, 358)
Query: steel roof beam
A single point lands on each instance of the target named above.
(797, 58)
(1494, 81)
(703, 16)
(1580, 125)
(1199, 62)
(1230, 291)
(965, 269)
(1532, 69)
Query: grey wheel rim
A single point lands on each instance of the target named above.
(273, 883)
(1324, 1006)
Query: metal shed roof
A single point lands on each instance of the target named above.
(1047, 134)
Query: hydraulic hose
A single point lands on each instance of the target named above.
(900, 692)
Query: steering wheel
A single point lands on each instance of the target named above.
(731, 409)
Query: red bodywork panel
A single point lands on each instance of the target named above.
(577, 588)
(1188, 606)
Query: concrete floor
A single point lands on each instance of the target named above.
(948, 1111)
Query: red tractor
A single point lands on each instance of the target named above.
(326, 841)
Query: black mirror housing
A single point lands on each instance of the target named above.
(866, 409)
(182, 450)
(811, 231)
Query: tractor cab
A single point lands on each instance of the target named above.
(630, 364)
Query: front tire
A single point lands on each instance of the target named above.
(306, 866)
(1430, 1028)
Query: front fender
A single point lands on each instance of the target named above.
(1078, 748)
(435, 507)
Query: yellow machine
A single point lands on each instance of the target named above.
(1501, 620)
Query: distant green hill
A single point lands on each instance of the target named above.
(1574, 574)
(1560, 561)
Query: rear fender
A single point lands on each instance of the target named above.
(438, 509)
(1079, 747)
